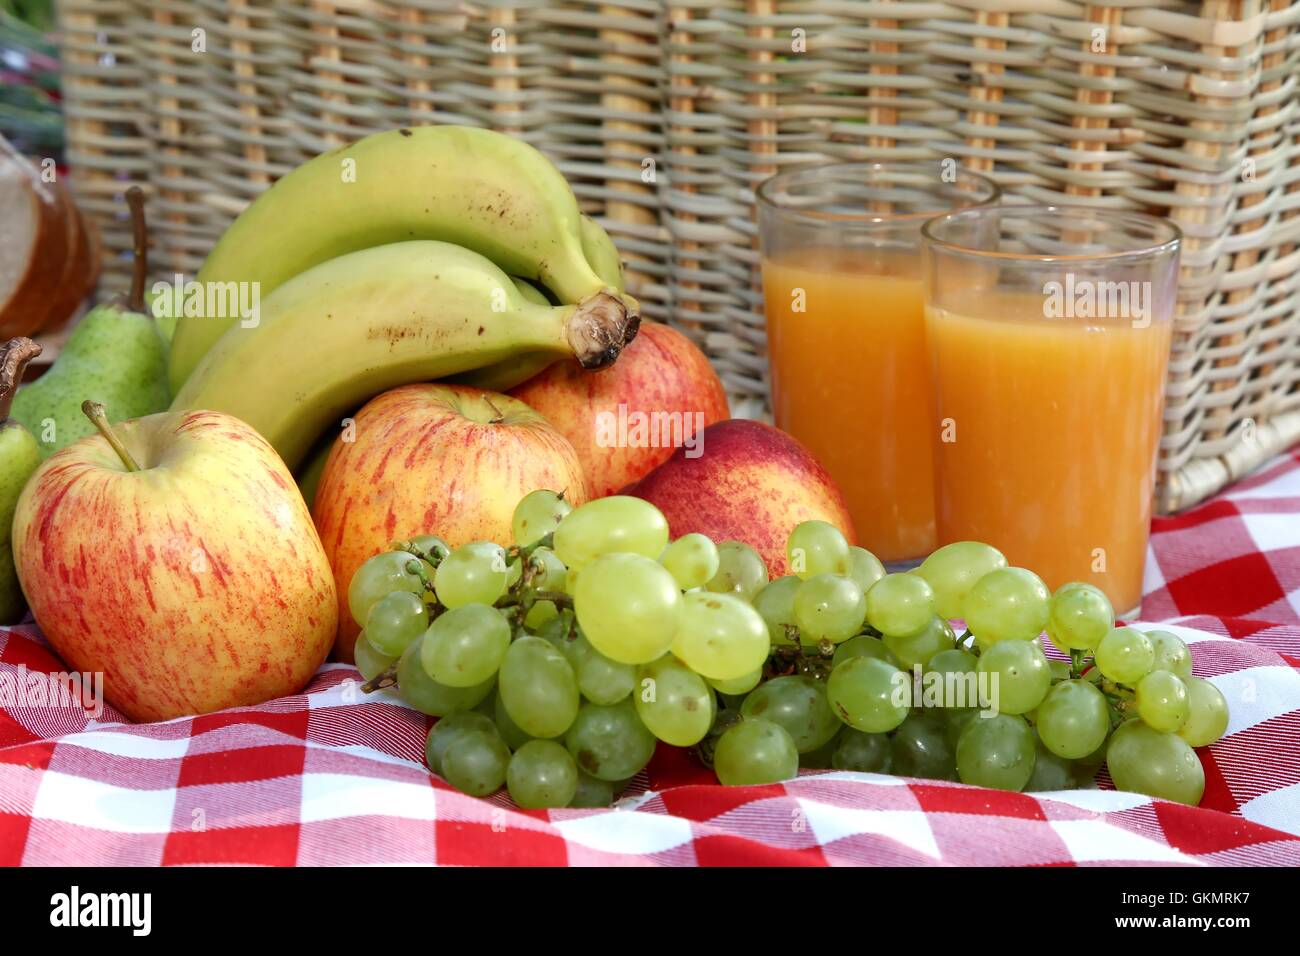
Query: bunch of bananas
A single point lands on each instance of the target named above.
(410, 255)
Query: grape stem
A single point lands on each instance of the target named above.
(558, 598)
(1076, 662)
(387, 678)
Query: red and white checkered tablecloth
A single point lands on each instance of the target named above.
(331, 777)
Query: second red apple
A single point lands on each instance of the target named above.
(626, 420)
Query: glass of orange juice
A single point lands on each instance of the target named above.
(1049, 331)
(850, 374)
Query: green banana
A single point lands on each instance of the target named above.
(489, 192)
(503, 376)
(338, 334)
(313, 466)
(602, 253)
(19, 456)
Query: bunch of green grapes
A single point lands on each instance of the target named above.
(557, 665)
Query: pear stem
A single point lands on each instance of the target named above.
(14, 356)
(95, 412)
(139, 248)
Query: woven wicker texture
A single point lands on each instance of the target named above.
(665, 114)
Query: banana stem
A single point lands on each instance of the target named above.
(14, 357)
(139, 248)
(600, 327)
(95, 412)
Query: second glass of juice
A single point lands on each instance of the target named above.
(1049, 329)
(850, 375)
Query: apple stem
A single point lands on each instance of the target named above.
(139, 248)
(95, 412)
(14, 356)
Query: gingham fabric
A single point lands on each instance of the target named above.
(333, 777)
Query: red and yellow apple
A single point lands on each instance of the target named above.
(190, 575)
(750, 482)
(626, 419)
(436, 459)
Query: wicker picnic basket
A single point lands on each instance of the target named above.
(665, 114)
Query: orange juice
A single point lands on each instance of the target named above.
(1048, 431)
(851, 380)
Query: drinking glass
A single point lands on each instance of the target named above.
(1049, 331)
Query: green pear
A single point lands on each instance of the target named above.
(116, 355)
(19, 457)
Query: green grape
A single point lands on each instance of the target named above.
(1085, 768)
(720, 636)
(541, 774)
(1060, 670)
(465, 646)
(953, 570)
(603, 681)
(380, 576)
(538, 514)
(548, 571)
(674, 702)
(540, 614)
(740, 571)
(864, 568)
(755, 752)
(955, 720)
(567, 638)
(428, 696)
(452, 728)
(817, 547)
(996, 752)
(476, 763)
(592, 793)
(920, 748)
(431, 545)
(1171, 653)
(475, 573)
(1073, 720)
(919, 648)
(775, 603)
(1143, 760)
(370, 662)
(609, 742)
(538, 688)
(864, 753)
(628, 606)
(820, 759)
(1207, 713)
(829, 607)
(1022, 675)
(900, 604)
(509, 730)
(395, 620)
(1078, 617)
(1162, 701)
(737, 686)
(799, 705)
(863, 646)
(869, 694)
(1125, 655)
(960, 686)
(1009, 604)
(692, 560)
(619, 523)
(1050, 772)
